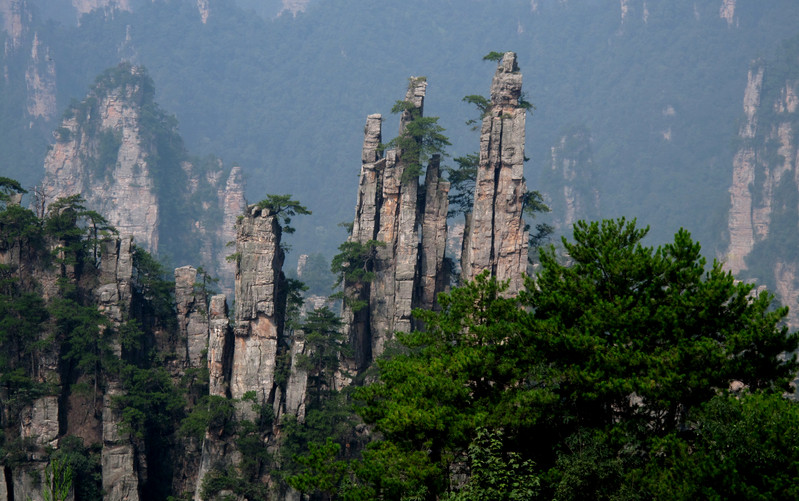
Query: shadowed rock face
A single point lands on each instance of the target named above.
(496, 239)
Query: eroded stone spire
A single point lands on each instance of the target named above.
(497, 240)
(407, 262)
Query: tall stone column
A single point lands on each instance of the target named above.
(256, 327)
(497, 240)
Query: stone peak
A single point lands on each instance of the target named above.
(508, 63)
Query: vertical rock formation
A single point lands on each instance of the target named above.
(193, 320)
(727, 11)
(742, 216)
(220, 347)
(433, 273)
(763, 220)
(257, 325)
(120, 461)
(41, 82)
(86, 6)
(123, 154)
(102, 153)
(408, 262)
(571, 169)
(496, 238)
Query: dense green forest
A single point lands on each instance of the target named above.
(627, 373)
(286, 96)
(622, 372)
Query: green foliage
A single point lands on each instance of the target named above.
(474, 365)
(324, 345)
(155, 284)
(606, 361)
(462, 179)
(20, 225)
(213, 414)
(59, 480)
(743, 447)
(421, 138)
(8, 188)
(151, 402)
(494, 56)
(85, 463)
(283, 207)
(354, 262)
(496, 475)
(322, 472)
(84, 332)
(632, 319)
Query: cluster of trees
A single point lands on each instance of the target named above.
(621, 372)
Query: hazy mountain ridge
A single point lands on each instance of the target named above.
(659, 94)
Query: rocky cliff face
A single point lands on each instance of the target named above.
(123, 154)
(764, 216)
(23, 41)
(121, 464)
(496, 238)
(571, 168)
(409, 224)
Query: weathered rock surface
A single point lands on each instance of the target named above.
(571, 168)
(220, 347)
(763, 215)
(86, 6)
(410, 225)
(256, 324)
(107, 149)
(101, 154)
(40, 79)
(120, 468)
(193, 321)
(497, 240)
(433, 273)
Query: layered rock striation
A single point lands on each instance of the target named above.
(764, 217)
(404, 226)
(123, 154)
(496, 238)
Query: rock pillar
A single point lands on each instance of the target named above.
(497, 239)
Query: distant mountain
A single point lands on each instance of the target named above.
(658, 85)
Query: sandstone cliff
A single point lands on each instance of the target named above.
(23, 42)
(123, 154)
(496, 239)
(409, 226)
(572, 170)
(764, 217)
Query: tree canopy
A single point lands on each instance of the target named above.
(616, 357)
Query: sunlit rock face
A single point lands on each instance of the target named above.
(497, 239)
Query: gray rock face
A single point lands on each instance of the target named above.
(106, 150)
(119, 457)
(256, 327)
(433, 275)
(408, 270)
(220, 347)
(571, 169)
(765, 183)
(109, 164)
(193, 321)
(497, 240)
